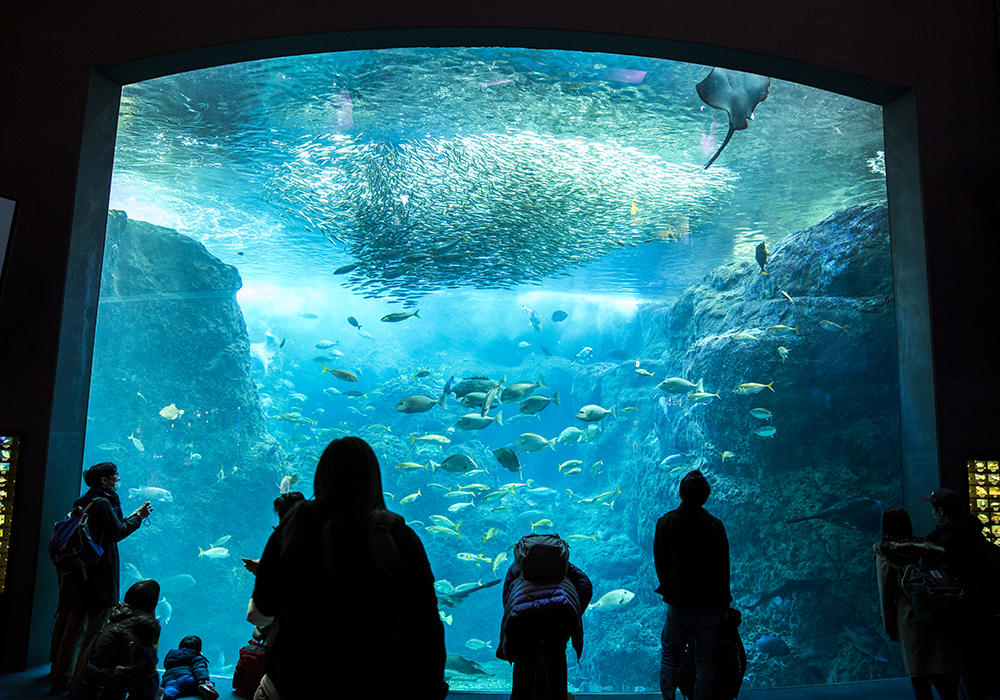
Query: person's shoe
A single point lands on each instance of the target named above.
(207, 691)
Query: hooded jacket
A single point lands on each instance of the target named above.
(108, 527)
(522, 599)
(180, 662)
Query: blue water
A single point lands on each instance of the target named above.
(568, 181)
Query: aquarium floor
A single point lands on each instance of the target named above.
(33, 683)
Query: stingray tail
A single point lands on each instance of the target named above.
(728, 136)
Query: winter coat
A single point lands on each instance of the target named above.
(180, 662)
(691, 553)
(363, 621)
(522, 599)
(101, 588)
(927, 648)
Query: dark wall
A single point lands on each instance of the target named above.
(947, 54)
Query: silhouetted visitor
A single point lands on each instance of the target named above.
(122, 658)
(930, 651)
(973, 560)
(185, 671)
(350, 583)
(87, 596)
(282, 504)
(544, 596)
(691, 552)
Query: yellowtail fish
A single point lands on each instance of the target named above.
(831, 326)
(570, 463)
(643, 372)
(288, 482)
(580, 538)
(574, 470)
(496, 495)
(781, 329)
(451, 495)
(628, 409)
(477, 558)
(490, 534)
(441, 531)
(341, 374)
(727, 455)
(601, 498)
(444, 521)
(783, 352)
(596, 467)
(787, 297)
(702, 396)
(409, 499)
(137, 443)
(544, 522)
(743, 335)
(431, 438)
(752, 388)
(412, 466)
(498, 560)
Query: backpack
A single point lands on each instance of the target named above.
(934, 594)
(730, 662)
(542, 558)
(249, 669)
(71, 547)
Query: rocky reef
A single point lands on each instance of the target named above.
(173, 404)
(816, 334)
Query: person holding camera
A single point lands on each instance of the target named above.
(86, 596)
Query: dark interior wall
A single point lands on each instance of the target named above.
(947, 54)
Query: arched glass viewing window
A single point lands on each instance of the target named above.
(539, 217)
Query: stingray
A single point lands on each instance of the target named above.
(737, 93)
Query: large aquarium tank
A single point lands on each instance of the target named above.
(512, 273)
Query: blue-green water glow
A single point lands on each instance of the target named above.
(548, 180)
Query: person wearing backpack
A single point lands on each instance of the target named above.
(88, 592)
(691, 554)
(973, 561)
(122, 658)
(353, 591)
(544, 596)
(929, 646)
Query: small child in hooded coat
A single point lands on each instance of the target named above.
(186, 671)
(539, 617)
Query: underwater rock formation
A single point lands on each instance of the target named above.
(832, 394)
(175, 369)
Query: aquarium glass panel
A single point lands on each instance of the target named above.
(650, 266)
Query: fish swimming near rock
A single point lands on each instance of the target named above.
(534, 404)
(466, 667)
(458, 463)
(533, 442)
(772, 646)
(341, 374)
(475, 421)
(455, 597)
(418, 403)
(867, 640)
(592, 413)
(171, 412)
(507, 458)
(735, 92)
(265, 350)
(761, 253)
(152, 493)
(519, 390)
(678, 385)
(861, 513)
(469, 385)
(612, 601)
(533, 319)
(399, 316)
(791, 586)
